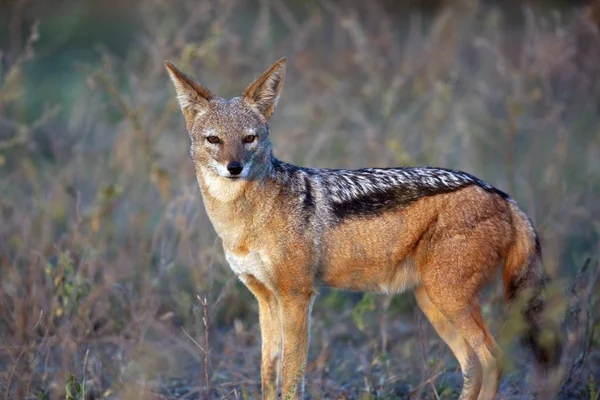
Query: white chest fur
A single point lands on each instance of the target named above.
(251, 263)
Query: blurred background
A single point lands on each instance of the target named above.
(112, 281)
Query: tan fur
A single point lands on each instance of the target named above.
(445, 246)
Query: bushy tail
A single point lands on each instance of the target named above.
(524, 282)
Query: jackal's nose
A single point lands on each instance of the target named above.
(234, 168)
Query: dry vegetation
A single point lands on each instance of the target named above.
(112, 281)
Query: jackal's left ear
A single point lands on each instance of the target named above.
(192, 96)
(264, 91)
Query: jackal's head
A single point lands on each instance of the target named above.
(229, 137)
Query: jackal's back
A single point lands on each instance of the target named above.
(368, 192)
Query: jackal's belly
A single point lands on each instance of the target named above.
(375, 276)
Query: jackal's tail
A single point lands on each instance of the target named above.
(524, 282)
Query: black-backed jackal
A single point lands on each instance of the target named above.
(439, 232)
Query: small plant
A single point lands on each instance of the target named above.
(42, 395)
(74, 389)
(367, 303)
(593, 388)
(70, 287)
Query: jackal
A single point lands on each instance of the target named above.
(442, 233)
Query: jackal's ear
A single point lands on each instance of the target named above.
(264, 91)
(192, 96)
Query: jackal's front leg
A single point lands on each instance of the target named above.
(270, 333)
(294, 311)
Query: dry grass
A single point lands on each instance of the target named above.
(110, 270)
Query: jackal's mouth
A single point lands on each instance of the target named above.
(233, 178)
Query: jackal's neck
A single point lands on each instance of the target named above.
(236, 207)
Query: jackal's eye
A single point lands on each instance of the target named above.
(249, 138)
(212, 139)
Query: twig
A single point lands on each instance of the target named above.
(580, 308)
(229, 394)
(16, 29)
(192, 339)
(23, 131)
(246, 382)
(12, 372)
(205, 321)
(20, 137)
(85, 361)
(222, 293)
(430, 380)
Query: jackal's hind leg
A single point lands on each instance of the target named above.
(465, 314)
(469, 363)
(492, 353)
